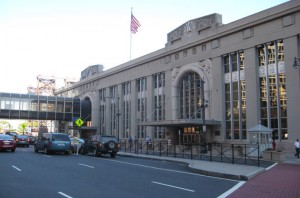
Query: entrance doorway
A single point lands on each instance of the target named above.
(190, 135)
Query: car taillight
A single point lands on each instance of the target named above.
(17, 140)
(28, 140)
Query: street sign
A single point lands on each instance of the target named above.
(79, 122)
(75, 118)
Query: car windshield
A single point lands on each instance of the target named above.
(22, 136)
(60, 137)
(5, 137)
(107, 139)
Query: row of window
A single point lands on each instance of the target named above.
(272, 92)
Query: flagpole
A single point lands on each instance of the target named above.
(134, 25)
(130, 37)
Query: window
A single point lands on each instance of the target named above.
(141, 105)
(190, 96)
(158, 109)
(102, 111)
(273, 88)
(235, 96)
(126, 109)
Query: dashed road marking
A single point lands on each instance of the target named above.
(16, 168)
(65, 195)
(86, 165)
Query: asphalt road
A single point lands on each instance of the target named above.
(29, 174)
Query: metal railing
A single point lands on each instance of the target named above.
(247, 154)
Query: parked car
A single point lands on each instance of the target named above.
(53, 142)
(22, 140)
(32, 140)
(7, 142)
(101, 144)
(14, 134)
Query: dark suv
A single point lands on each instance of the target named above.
(101, 144)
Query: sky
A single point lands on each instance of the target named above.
(61, 38)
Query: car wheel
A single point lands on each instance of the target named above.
(35, 149)
(46, 151)
(111, 144)
(83, 152)
(80, 150)
(13, 150)
(27, 146)
(67, 153)
(113, 155)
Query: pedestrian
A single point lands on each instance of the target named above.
(130, 139)
(148, 140)
(149, 144)
(297, 148)
(76, 145)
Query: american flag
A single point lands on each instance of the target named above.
(134, 25)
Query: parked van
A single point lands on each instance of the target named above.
(53, 142)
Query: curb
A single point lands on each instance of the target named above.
(197, 170)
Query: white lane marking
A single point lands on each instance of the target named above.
(65, 195)
(86, 165)
(173, 186)
(46, 156)
(231, 190)
(16, 168)
(271, 166)
(182, 172)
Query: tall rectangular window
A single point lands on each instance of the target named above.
(126, 109)
(158, 109)
(272, 82)
(114, 110)
(102, 111)
(235, 95)
(141, 105)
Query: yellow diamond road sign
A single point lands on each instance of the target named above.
(79, 122)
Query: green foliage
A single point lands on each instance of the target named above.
(5, 125)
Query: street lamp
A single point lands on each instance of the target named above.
(203, 106)
(118, 114)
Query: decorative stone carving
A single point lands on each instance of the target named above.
(206, 67)
(197, 24)
(204, 22)
(175, 72)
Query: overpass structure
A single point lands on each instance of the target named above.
(37, 107)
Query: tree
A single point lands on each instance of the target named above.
(22, 127)
(5, 125)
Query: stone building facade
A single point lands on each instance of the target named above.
(211, 82)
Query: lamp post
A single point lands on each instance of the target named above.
(203, 106)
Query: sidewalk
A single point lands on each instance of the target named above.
(218, 169)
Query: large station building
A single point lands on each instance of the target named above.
(211, 82)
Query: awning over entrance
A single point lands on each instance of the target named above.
(180, 122)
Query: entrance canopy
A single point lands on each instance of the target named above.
(181, 122)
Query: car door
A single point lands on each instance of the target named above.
(39, 143)
(42, 141)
